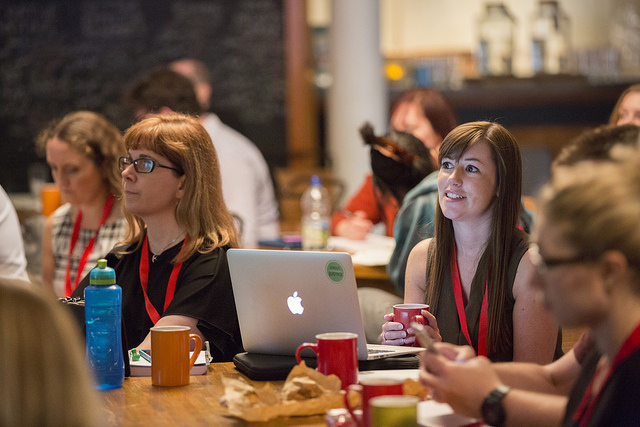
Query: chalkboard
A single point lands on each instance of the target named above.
(58, 56)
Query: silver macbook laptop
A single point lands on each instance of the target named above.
(284, 298)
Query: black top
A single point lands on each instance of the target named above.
(447, 314)
(617, 403)
(203, 291)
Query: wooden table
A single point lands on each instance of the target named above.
(138, 403)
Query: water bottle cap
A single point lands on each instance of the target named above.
(315, 180)
(102, 275)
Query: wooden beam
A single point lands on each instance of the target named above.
(301, 105)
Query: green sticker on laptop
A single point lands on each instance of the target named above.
(335, 272)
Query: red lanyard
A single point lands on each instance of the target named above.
(144, 280)
(108, 205)
(589, 400)
(457, 291)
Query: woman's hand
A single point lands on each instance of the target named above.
(456, 353)
(393, 333)
(463, 384)
(355, 227)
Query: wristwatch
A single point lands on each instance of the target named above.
(492, 410)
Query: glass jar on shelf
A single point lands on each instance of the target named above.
(495, 41)
(550, 39)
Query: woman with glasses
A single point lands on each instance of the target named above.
(422, 113)
(82, 150)
(587, 258)
(474, 271)
(173, 266)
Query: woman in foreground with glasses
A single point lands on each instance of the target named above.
(82, 150)
(173, 266)
(587, 255)
(474, 271)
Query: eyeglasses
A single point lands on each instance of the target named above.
(142, 165)
(543, 264)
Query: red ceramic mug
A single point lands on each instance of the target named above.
(407, 313)
(337, 354)
(368, 388)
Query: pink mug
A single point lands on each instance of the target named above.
(368, 388)
(337, 354)
(407, 313)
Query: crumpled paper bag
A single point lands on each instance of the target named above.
(305, 392)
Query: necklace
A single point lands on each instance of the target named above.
(155, 256)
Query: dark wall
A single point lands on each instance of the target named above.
(58, 56)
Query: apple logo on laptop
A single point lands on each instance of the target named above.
(295, 303)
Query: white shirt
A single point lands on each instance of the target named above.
(13, 262)
(246, 183)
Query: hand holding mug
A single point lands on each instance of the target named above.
(397, 330)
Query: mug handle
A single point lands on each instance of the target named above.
(356, 388)
(196, 350)
(313, 346)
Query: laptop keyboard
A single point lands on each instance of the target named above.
(377, 351)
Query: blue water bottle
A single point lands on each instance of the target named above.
(103, 312)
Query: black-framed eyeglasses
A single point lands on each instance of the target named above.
(543, 264)
(142, 165)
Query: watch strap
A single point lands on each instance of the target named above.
(493, 412)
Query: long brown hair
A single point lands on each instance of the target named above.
(493, 263)
(202, 211)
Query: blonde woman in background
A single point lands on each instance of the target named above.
(82, 150)
(627, 109)
(45, 381)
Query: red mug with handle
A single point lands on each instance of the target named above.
(368, 388)
(337, 354)
(407, 313)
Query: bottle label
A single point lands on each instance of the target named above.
(315, 235)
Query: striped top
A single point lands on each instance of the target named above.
(108, 236)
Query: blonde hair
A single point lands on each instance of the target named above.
(597, 205)
(202, 211)
(45, 379)
(615, 114)
(93, 136)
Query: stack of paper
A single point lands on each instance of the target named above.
(375, 250)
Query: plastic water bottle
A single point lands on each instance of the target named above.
(103, 312)
(316, 210)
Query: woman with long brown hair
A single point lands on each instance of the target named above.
(474, 271)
